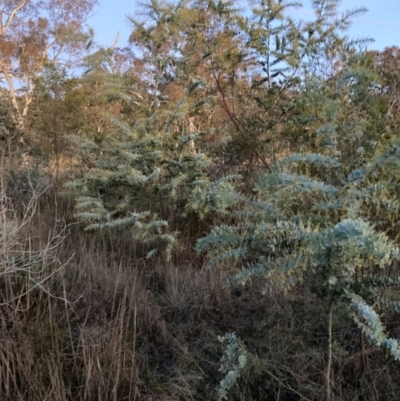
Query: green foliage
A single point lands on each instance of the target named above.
(274, 140)
(213, 197)
(370, 324)
(316, 222)
(285, 61)
(146, 177)
(10, 135)
(233, 362)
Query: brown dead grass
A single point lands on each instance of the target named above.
(108, 325)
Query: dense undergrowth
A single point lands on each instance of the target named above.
(93, 321)
(211, 213)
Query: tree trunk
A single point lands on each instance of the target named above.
(328, 374)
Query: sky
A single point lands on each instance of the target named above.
(381, 22)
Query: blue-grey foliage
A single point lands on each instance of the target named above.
(313, 221)
(233, 361)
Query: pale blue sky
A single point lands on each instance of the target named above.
(382, 22)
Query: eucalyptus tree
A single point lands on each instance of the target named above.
(34, 33)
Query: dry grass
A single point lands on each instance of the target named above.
(87, 325)
(91, 320)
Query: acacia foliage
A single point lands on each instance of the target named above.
(147, 177)
(204, 93)
(202, 71)
(300, 111)
(325, 218)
